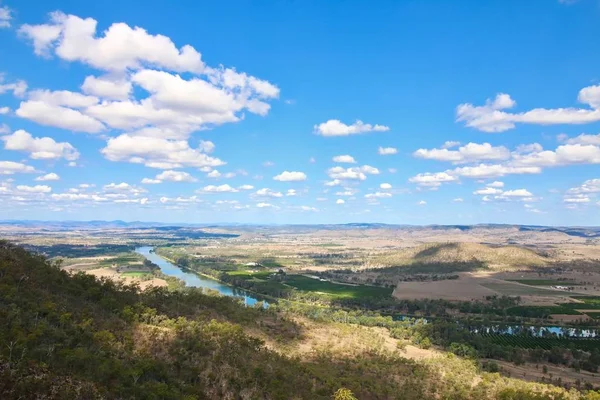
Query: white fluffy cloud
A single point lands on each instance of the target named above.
(219, 189)
(422, 203)
(517, 193)
(493, 117)
(354, 173)
(266, 205)
(589, 186)
(5, 17)
(74, 39)
(470, 152)
(340, 201)
(577, 198)
(17, 88)
(344, 159)
(246, 187)
(567, 154)
(495, 184)
(11, 167)
(175, 106)
(123, 188)
(58, 116)
(483, 171)
(582, 139)
(107, 87)
(34, 189)
(39, 148)
(48, 177)
(290, 176)
(171, 176)
(386, 151)
(385, 186)
(432, 179)
(266, 192)
(378, 195)
(488, 191)
(335, 127)
(157, 153)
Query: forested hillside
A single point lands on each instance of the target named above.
(72, 336)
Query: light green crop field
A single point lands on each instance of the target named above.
(337, 290)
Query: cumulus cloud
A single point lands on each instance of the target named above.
(385, 186)
(58, 116)
(157, 153)
(290, 176)
(577, 198)
(584, 139)
(107, 87)
(18, 88)
(335, 127)
(39, 148)
(517, 193)
(386, 151)
(458, 200)
(219, 189)
(483, 171)
(422, 203)
(171, 176)
(488, 191)
(344, 159)
(11, 167)
(432, 179)
(589, 186)
(246, 187)
(5, 17)
(34, 189)
(266, 192)
(471, 152)
(265, 205)
(354, 173)
(213, 174)
(495, 184)
(174, 105)
(340, 201)
(493, 117)
(48, 177)
(378, 195)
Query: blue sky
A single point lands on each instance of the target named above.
(301, 111)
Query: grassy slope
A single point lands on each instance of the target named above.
(76, 337)
(479, 255)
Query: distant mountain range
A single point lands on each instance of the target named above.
(579, 231)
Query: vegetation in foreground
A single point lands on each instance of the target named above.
(74, 336)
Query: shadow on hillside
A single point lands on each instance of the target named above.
(436, 250)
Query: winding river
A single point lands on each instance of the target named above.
(194, 280)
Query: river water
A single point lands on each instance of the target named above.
(194, 280)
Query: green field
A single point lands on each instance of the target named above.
(587, 303)
(307, 284)
(541, 282)
(337, 290)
